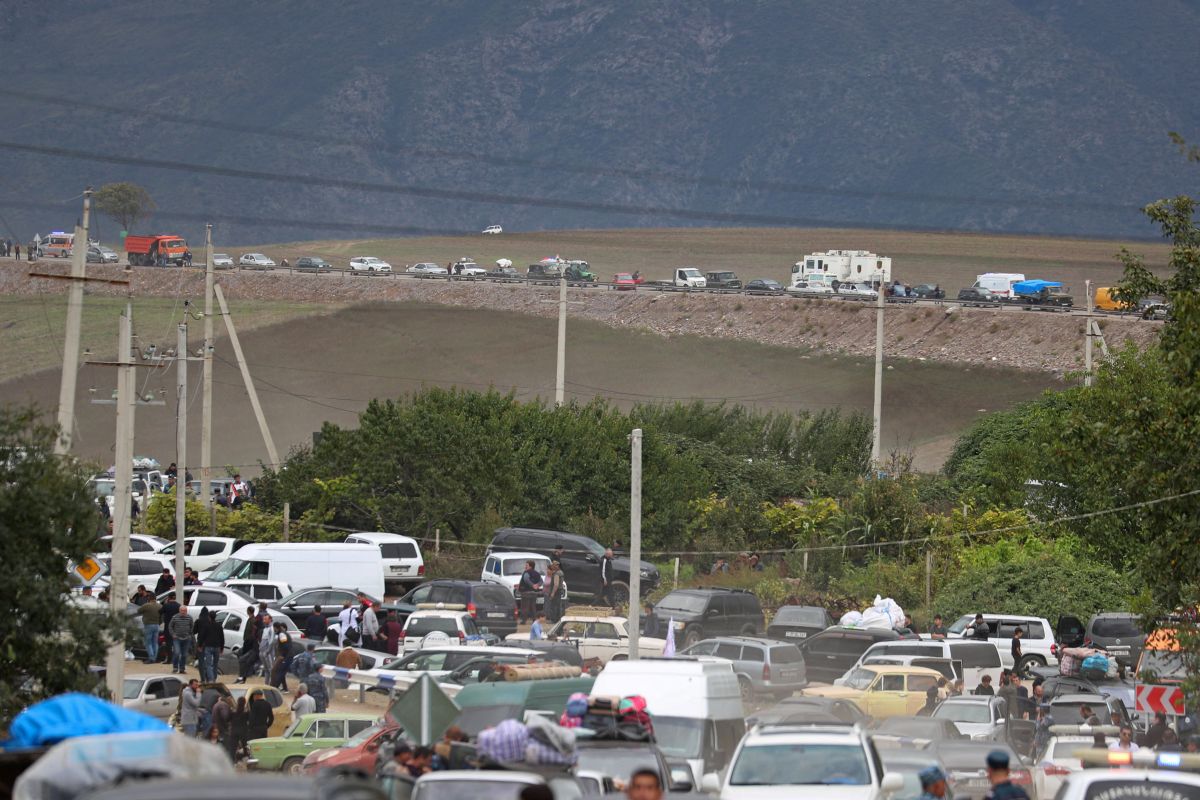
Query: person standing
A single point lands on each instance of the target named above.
(1125, 741)
(248, 657)
(266, 650)
(213, 643)
(1008, 693)
(303, 704)
(199, 629)
(151, 614)
(314, 625)
(1016, 647)
(17, 251)
(529, 587)
(606, 576)
(557, 593)
(283, 657)
(260, 718)
(222, 723)
(348, 624)
(977, 630)
(180, 628)
(1155, 733)
(140, 596)
(189, 707)
(937, 630)
(535, 631)
(390, 632)
(650, 624)
(370, 626)
(997, 772)
(985, 686)
(645, 784)
(166, 581)
(306, 670)
(239, 728)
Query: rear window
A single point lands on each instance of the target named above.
(799, 615)
(1116, 627)
(976, 655)
(420, 626)
(398, 550)
(1135, 789)
(906, 650)
(493, 596)
(786, 655)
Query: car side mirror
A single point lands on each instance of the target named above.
(591, 559)
(684, 785)
(892, 782)
(710, 783)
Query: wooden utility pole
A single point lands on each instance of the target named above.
(207, 384)
(878, 430)
(1087, 336)
(635, 543)
(118, 568)
(181, 394)
(70, 366)
(560, 373)
(272, 453)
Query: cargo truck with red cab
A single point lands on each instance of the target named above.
(160, 250)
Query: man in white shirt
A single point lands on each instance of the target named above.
(1125, 741)
(347, 621)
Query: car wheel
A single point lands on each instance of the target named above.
(620, 594)
(1025, 666)
(746, 688)
(692, 636)
(293, 766)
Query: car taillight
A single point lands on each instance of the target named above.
(471, 610)
(1054, 649)
(462, 637)
(1055, 769)
(766, 672)
(1021, 776)
(403, 634)
(421, 570)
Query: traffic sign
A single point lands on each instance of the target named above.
(424, 711)
(1166, 699)
(90, 570)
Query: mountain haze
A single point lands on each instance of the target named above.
(1009, 115)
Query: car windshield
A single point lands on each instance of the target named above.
(419, 626)
(679, 737)
(801, 765)
(679, 601)
(960, 624)
(291, 729)
(619, 762)
(362, 736)
(799, 615)
(964, 712)
(859, 679)
(517, 566)
(1116, 627)
(231, 568)
(131, 688)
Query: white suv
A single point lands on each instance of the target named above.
(828, 762)
(505, 569)
(428, 627)
(369, 265)
(1037, 638)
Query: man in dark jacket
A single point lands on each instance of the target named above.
(606, 576)
(248, 657)
(530, 588)
(314, 626)
(212, 643)
(166, 582)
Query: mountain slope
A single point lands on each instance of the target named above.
(1015, 115)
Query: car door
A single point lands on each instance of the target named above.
(581, 567)
(822, 657)
(160, 697)
(601, 641)
(887, 697)
(718, 621)
(916, 687)
(232, 626)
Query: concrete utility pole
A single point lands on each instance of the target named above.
(272, 453)
(877, 438)
(635, 543)
(1087, 336)
(207, 385)
(181, 394)
(118, 580)
(560, 376)
(70, 368)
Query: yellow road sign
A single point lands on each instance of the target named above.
(89, 570)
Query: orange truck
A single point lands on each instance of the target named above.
(160, 250)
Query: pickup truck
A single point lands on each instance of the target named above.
(685, 278)
(723, 280)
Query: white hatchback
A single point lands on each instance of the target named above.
(493, 230)
(369, 265)
(255, 261)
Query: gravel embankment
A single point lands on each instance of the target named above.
(1025, 340)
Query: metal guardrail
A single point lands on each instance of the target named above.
(667, 287)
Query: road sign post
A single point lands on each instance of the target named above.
(90, 570)
(424, 711)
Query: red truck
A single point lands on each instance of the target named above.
(160, 250)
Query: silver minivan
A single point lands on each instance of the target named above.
(764, 667)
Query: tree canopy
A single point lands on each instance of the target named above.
(127, 203)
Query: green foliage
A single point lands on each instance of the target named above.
(1046, 585)
(48, 516)
(250, 522)
(126, 203)
(903, 581)
(464, 462)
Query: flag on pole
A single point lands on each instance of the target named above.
(669, 647)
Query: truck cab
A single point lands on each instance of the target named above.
(1042, 293)
(690, 277)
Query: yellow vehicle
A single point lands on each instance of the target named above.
(882, 690)
(1103, 300)
(1161, 657)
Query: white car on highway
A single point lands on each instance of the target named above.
(426, 268)
(468, 268)
(857, 290)
(810, 287)
(222, 261)
(369, 264)
(255, 261)
(493, 230)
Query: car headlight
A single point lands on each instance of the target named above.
(679, 625)
(645, 573)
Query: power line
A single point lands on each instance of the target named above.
(493, 160)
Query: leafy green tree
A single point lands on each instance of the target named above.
(48, 517)
(126, 203)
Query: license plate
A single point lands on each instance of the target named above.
(495, 615)
(399, 569)
(795, 634)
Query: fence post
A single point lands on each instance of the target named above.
(928, 577)
(437, 541)
(676, 572)
(805, 562)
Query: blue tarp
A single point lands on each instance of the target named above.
(1034, 286)
(71, 715)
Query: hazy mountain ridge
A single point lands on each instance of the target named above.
(1017, 115)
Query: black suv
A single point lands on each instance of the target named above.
(704, 613)
(974, 295)
(312, 264)
(796, 623)
(580, 560)
(490, 604)
(1120, 633)
(828, 654)
(927, 291)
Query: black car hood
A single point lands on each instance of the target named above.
(622, 563)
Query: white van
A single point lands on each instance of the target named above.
(695, 702)
(978, 658)
(999, 283)
(402, 559)
(305, 565)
